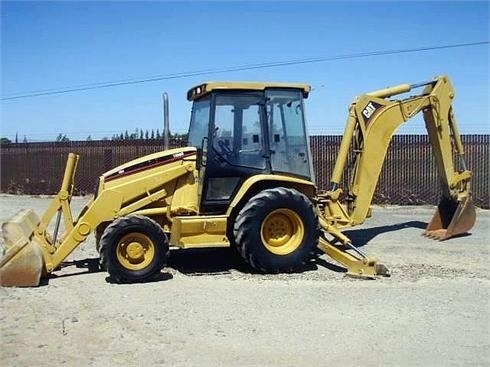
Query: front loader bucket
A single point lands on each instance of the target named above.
(22, 263)
(451, 219)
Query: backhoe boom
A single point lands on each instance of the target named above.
(372, 122)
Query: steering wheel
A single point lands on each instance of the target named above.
(225, 149)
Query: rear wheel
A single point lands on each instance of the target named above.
(277, 230)
(133, 249)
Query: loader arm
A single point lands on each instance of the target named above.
(373, 120)
(32, 251)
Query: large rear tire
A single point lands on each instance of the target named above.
(133, 249)
(277, 231)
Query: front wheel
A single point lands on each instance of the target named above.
(133, 249)
(277, 231)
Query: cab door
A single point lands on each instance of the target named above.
(236, 147)
(198, 136)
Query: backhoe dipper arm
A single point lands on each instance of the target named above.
(373, 119)
(372, 122)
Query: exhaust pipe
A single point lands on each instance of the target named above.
(166, 123)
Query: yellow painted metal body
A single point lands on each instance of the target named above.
(372, 122)
(208, 87)
(163, 186)
(135, 251)
(282, 231)
(264, 180)
(199, 231)
(166, 186)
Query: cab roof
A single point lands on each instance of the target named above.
(208, 87)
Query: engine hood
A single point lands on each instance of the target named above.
(149, 162)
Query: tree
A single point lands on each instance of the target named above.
(178, 136)
(135, 134)
(152, 137)
(62, 138)
(5, 141)
(89, 138)
(158, 135)
(146, 135)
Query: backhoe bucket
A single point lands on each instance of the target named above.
(22, 264)
(451, 219)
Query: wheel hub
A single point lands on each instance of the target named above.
(135, 251)
(279, 230)
(282, 231)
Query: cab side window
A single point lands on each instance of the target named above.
(238, 136)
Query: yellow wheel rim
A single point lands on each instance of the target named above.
(135, 251)
(282, 231)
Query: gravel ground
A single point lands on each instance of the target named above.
(208, 309)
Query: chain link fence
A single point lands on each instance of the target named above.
(409, 176)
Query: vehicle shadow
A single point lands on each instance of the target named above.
(92, 265)
(207, 261)
(190, 262)
(360, 237)
(193, 262)
(86, 266)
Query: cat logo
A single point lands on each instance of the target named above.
(369, 110)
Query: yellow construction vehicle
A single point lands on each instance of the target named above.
(245, 180)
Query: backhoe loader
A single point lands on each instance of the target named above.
(245, 180)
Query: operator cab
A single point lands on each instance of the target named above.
(243, 129)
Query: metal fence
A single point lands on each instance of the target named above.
(409, 176)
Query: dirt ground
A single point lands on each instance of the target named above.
(208, 309)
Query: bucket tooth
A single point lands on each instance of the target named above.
(451, 218)
(435, 234)
(22, 264)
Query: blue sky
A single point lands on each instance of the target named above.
(55, 45)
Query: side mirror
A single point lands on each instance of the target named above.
(202, 153)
